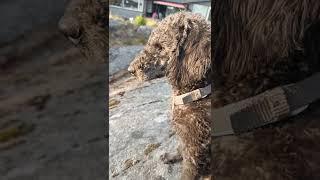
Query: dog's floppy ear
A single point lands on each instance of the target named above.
(190, 62)
(180, 30)
(184, 30)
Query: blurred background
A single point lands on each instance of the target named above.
(52, 99)
(159, 9)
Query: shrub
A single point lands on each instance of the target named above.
(151, 22)
(140, 21)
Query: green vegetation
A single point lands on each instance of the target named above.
(151, 22)
(139, 21)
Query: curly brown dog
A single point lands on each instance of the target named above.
(258, 45)
(180, 48)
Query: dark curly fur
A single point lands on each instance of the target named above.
(259, 45)
(180, 49)
(83, 22)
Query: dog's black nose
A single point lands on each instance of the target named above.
(131, 70)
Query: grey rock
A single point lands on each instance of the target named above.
(19, 16)
(145, 30)
(67, 140)
(113, 24)
(142, 118)
(120, 58)
(139, 121)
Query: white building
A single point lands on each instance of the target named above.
(132, 8)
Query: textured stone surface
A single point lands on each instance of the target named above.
(19, 16)
(146, 30)
(139, 114)
(141, 119)
(120, 58)
(54, 89)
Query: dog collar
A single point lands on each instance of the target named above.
(192, 96)
(268, 107)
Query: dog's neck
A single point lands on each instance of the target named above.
(193, 86)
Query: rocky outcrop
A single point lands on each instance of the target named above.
(139, 130)
(120, 58)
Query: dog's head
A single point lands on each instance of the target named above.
(179, 47)
(82, 23)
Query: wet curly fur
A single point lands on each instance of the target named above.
(83, 23)
(180, 49)
(259, 45)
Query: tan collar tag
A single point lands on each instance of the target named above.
(192, 96)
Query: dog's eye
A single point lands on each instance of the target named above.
(140, 66)
(158, 46)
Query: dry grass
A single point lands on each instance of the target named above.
(129, 163)
(150, 148)
(125, 35)
(115, 17)
(113, 103)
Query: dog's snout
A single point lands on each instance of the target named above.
(131, 70)
(70, 27)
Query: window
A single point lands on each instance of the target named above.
(132, 4)
(200, 9)
(171, 10)
(115, 2)
(149, 6)
(209, 15)
(128, 4)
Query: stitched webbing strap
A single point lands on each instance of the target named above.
(250, 113)
(268, 107)
(265, 109)
(192, 96)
